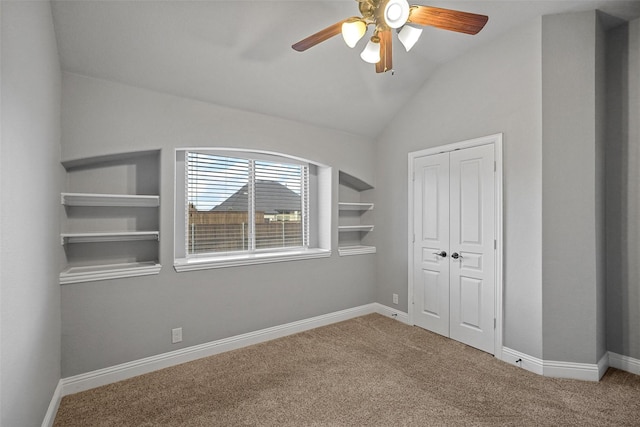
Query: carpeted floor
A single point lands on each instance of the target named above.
(368, 371)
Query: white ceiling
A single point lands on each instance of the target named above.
(238, 53)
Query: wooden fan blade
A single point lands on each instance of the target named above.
(319, 37)
(446, 19)
(386, 57)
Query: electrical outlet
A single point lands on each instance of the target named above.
(395, 298)
(176, 335)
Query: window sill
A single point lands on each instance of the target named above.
(191, 264)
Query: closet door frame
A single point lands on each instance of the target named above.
(496, 140)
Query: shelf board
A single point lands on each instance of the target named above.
(345, 228)
(109, 271)
(348, 206)
(108, 237)
(108, 200)
(353, 182)
(356, 250)
(108, 158)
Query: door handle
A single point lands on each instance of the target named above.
(455, 255)
(441, 253)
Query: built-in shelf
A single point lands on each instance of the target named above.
(109, 271)
(354, 216)
(345, 228)
(110, 200)
(356, 250)
(346, 206)
(353, 182)
(122, 236)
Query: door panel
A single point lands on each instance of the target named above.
(470, 193)
(472, 236)
(432, 290)
(431, 235)
(470, 290)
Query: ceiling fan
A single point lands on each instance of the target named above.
(387, 15)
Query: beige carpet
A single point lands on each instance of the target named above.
(369, 371)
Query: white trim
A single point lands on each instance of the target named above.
(195, 263)
(572, 370)
(499, 263)
(52, 410)
(624, 363)
(522, 360)
(496, 140)
(131, 369)
(387, 311)
(603, 365)
(552, 368)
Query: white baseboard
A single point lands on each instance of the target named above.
(522, 360)
(556, 369)
(624, 363)
(134, 368)
(387, 311)
(571, 370)
(50, 416)
(603, 365)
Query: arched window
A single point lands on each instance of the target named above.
(244, 207)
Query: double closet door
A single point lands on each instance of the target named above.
(454, 245)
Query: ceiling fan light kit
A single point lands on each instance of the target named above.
(386, 15)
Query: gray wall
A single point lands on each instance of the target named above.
(110, 322)
(571, 197)
(30, 187)
(494, 88)
(623, 190)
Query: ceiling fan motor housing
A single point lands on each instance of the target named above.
(395, 12)
(385, 14)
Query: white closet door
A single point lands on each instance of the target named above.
(431, 235)
(453, 251)
(472, 276)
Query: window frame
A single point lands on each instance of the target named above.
(319, 221)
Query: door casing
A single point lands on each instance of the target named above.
(496, 140)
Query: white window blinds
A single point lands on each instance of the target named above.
(238, 204)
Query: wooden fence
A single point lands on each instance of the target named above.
(235, 237)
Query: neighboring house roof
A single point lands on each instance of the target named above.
(271, 197)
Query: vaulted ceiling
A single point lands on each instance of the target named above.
(238, 53)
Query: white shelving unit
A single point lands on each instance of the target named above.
(108, 271)
(346, 228)
(356, 250)
(95, 223)
(351, 210)
(105, 200)
(121, 236)
(347, 206)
